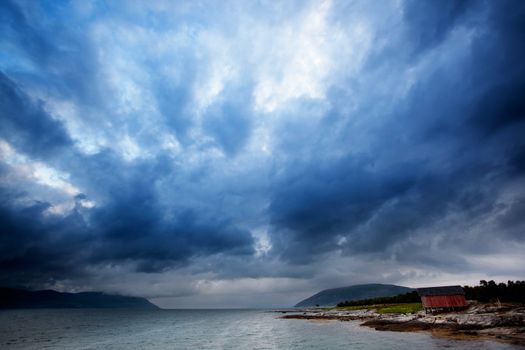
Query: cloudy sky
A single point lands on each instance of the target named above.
(251, 153)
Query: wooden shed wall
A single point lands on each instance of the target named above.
(438, 301)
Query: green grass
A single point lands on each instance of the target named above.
(407, 308)
(352, 308)
(404, 308)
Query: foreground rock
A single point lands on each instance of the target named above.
(480, 321)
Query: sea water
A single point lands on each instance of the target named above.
(202, 329)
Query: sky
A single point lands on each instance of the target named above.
(252, 153)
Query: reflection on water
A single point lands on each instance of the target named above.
(201, 329)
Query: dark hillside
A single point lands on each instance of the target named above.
(331, 297)
(11, 298)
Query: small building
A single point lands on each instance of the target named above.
(442, 298)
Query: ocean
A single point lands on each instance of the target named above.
(202, 329)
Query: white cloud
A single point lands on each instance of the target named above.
(36, 171)
(40, 181)
(297, 59)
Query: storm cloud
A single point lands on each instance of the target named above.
(186, 151)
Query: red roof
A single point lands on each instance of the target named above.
(438, 301)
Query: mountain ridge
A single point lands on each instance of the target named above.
(16, 298)
(332, 296)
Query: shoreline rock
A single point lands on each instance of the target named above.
(479, 322)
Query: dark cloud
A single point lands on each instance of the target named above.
(318, 202)
(57, 52)
(511, 220)
(501, 106)
(230, 126)
(135, 226)
(173, 98)
(499, 79)
(429, 22)
(317, 206)
(26, 124)
(131, 227)
(463, 138)
(37, 248)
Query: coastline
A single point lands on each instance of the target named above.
(505, 323)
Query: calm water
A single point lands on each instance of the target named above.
(201, 329)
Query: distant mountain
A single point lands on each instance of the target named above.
(330, 297)
(12, 298)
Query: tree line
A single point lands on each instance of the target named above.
(410, 297)
(511, 292)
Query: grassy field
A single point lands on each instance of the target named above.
(387, 308)
(400, 308)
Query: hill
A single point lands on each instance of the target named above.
(12, 298)
(330, 297)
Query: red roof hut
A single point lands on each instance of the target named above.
(442, 298)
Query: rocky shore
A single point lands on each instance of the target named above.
(480, 321)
